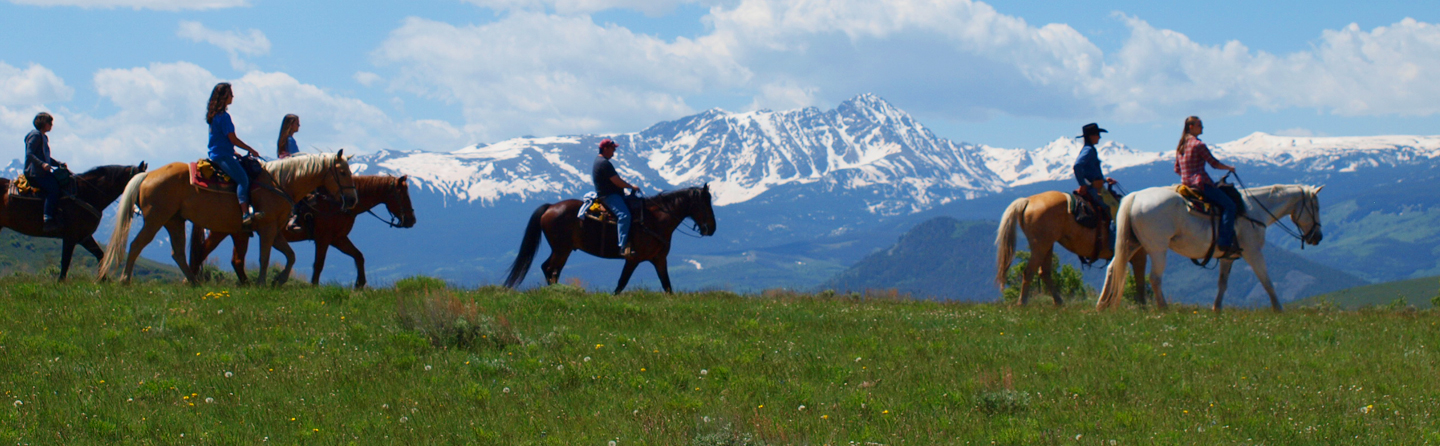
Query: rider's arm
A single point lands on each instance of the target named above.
(33, 147)
(1210, 158)
(236, 140)
(621, 183)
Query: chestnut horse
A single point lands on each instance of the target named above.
(94, 191)
(650, 241)
(331, 226)
(1045, 218)
(167, 199)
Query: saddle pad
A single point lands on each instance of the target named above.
(212, 183)
(1198, 204)
(1081, 210)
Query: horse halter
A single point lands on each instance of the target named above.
(334, 172)
(395, 191)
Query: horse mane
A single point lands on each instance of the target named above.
(373, 185)
(109, 173)
(287, 169)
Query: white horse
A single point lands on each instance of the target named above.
(1157, 220)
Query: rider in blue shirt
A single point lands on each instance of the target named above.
(222, 146)
(286, 146)
(611, 189)
(1087, 168)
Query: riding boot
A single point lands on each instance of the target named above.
(294, 224)
(248, 220)
(626, 251)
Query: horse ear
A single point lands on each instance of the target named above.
(402, 179)
(340, 154)
(1318, 189)
(143, 166)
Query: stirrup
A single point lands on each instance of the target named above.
(627, 251)
(1231, 252)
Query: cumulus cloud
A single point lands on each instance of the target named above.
(33, 85)
(567, 7)
(367, 78)
(160, 112)
(161, 5)
(252, 43)
(544, 74)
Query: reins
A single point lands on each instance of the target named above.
(1304, 206)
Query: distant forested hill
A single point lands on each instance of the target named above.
(22, 254)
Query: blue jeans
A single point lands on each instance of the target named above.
(231, 166)
(1095, 199)
(616, 203)
(1227, 218)
(49, 186)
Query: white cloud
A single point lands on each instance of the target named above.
(31, 86)
(367, 78)
(252, 43)
(540, 74)
(160, 118)
(162, 5)
(568, 7)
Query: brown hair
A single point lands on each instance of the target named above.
(285, 132)
(42, 119)
(1185, 133)
(216, 106)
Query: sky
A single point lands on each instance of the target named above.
(128, 79)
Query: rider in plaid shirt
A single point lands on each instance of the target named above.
(1191, 156)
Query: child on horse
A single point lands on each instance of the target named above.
(1191, 156)
(40, 167)
(1091, 177)
(222, 146)
(611, 189)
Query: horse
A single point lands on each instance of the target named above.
(1157, 220)
(1045, 218)
(94, 191)
(167, 199)
(650, 241)
(331, 226)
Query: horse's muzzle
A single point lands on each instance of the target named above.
(348, 201)
(707, 230)
(407, 221)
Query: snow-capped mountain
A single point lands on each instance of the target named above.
(1055, 161)
(865, 145)
(1340, 154)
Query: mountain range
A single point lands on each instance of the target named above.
(801, 195)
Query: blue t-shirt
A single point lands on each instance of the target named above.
(220, 130)
(600, 173)
(290, 146)
(1087, 166)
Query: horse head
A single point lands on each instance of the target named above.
(1306, 215)
(339, 181)
(701, 211)
(398, 202)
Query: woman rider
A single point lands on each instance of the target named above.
(1191, 156)
(222, 146)
(286, 146)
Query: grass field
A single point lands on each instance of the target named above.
(84, 363)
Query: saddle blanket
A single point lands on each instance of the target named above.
(204, 175)
(1197, 203)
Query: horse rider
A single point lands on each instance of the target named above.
(286, 146)
(39, 168)
(611, 190)
(222, 147)
(1088, 171)
(1191, 156)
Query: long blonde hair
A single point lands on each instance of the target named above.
(1184, 134)
(217, 104)
(283, 149)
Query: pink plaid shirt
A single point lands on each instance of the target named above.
(1191, 164)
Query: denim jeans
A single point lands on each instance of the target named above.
(616, 203)
(231, 166)
(49, 186)
(1227, 218)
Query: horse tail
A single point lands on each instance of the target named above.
(1115, 275)
(123, 216)
(528, 246)
(1005, 238)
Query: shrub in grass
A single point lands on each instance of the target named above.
(447, 321)
(420, 284)
(1003, 401)
(725, 436)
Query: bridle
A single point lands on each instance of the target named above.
(395, 191)
(1308, 202)
(693, 230)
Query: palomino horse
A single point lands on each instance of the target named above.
(167, 199)
(560, 222)
(332, 226)
(1156, 220)
(1045, 218)
(94, 191)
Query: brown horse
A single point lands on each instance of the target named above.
(94, 191)
(167, 199)
(1046, 219)
(331, 226)
(561, 225)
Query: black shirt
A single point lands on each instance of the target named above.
(601, 173)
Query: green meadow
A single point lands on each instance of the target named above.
(421, 363)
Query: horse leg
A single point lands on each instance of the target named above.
(197, 249)
(1137, 263)
(625, 274)
(1027, 277)
(283, 246)
(146, 234)
(1225, 265)
(1256, 260)
(176, 228)
(1047, 275)
(67, 250)
(553, 265)
(267, 240)
(346, 246)
(240, 244)
(322, 249)
(1156, 271)
(662, 269)
(90, 245)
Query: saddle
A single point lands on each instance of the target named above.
(596, 231)
(1197, 203)
(22, 189)
(1087, 214)
(205, 174)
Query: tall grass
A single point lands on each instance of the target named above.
(84, 363)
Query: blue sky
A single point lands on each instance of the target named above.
(128, 78)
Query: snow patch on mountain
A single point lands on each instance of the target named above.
(1056, 161)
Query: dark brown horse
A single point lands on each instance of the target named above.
(650, 241)
(331, 226)
(94, 191)
(1045, 218)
